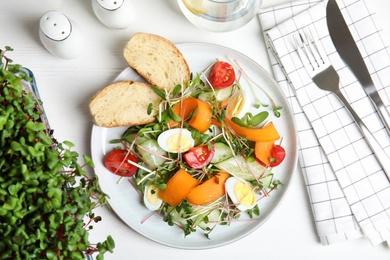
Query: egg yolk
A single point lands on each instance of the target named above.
(235, 105)
(152, 194)
(245, 194)
(178, 142)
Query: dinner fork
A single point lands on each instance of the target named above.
(324, 75)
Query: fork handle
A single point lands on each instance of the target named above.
(380, 107)
(380, 154)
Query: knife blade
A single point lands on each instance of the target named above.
(350, 54)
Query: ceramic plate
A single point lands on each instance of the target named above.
(126, 202)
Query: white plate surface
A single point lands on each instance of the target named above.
(126, 202)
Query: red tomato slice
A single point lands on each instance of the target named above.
(199, 156)
(277, 156)
(117, 162)
(222, 75)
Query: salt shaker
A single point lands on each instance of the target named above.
(115, 14)
(61, 36)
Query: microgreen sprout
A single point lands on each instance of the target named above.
(275, 108)
(222, 211)
(45, 194)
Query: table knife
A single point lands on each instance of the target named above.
(350, 54)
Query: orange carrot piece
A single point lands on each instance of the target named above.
(263, 151)
(216, 122)
(208, 191)
(224, 103)
(201, 120)
(177, 188)
(267, 133)
(183, 109)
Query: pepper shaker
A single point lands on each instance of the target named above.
(60, 36)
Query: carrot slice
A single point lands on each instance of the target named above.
(177, 188)
(216, 122)
(263, 151)
(267, 133)
(200, 120)
(208, 191)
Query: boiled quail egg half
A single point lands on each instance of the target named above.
(239, 104)
(175, 140)
(241, 193)
(151, 199)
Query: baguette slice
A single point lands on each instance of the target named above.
(123, 103)
(156, 59)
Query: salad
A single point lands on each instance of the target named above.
(207, 159)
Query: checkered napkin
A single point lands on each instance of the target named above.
(348, 190)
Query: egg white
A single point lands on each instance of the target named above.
(245, 105)
(150, 205)
(229, 187)
(163, 138)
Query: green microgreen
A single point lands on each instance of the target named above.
(188, 217)
(159, 92)
(249, 120)
(275, 108)
(47, 196)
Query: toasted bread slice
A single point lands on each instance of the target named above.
(156, 59)
(123, 103)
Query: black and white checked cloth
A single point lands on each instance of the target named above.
(348, 191)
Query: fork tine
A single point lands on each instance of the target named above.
(316, 57)
(308, 51)
(306, 59)
(299, 48)
(316, 47)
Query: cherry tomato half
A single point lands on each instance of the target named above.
(199, 156)
(117, 162)
(222, 75)
(277, 156)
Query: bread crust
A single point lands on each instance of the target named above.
(124, 103)
(157, 60)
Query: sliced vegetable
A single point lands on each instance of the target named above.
(199, 156)
(263, 151)
(219, 94)
(209, 191)
(134, 138)
(222, 75)
(265, 134)
(214, 217)
(222, 152)
(117, 162)
(178, 188)
(276, 156)
(238, 166)
(206, 96)
(267, 181)
(201, 113)
(222, 94)
(151, 153)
